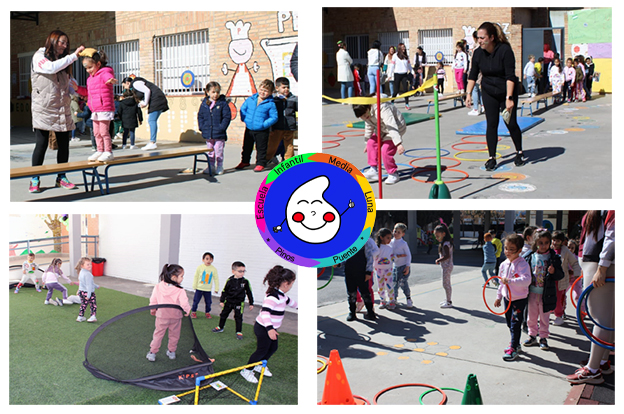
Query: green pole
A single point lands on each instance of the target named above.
(439, 189)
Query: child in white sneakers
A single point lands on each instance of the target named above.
(393, 128)
(402, 261)
(51, 281)
(29, 267)
(86, 290)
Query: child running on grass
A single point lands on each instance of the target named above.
(51, 282)
(86, 290)
(233, 298)
(515, 277)
(205, 275)
(168, 291)
(29, 267)
(279, 281)
(383, 269)
(546, 269)
(445, 260)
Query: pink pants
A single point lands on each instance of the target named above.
(388, 150)
(459, 78)
(217, 154)
(537, 319)
(103, 140)
(162, 324)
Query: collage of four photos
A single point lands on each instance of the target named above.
(433, 220)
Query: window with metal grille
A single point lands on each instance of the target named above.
(329, 50)
(24, 60)
(123, 57)
(393, 39)
(357, 46)
(437, 40)
(177, 53)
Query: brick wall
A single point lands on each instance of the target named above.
(95, 28)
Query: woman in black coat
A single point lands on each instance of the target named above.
(499, 87)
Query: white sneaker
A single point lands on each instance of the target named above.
(106, 156)
(95, 156)
(92, 319)
(371, 173)
(249, 376)
(151, 357)
(150, 146)
(481, 109)
(558, 321)
(410, 303)
(220, 170)
(392, 179)
(267, 373)
(474, 112)
(58, 301)
(133, 147)
(446, 304)
(48, 302)
(171, 355)
(81, 319)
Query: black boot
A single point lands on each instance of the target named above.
(370, 310)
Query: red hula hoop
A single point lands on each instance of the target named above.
(445, 181)
(488, 306)
(380, 393)
(572, 289)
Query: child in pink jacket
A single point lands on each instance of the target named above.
(515, 275)
(168, 291)
(101, 101)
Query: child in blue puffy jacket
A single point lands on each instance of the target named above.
(259, 113)
(213, 119)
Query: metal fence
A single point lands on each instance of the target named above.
(38, 245)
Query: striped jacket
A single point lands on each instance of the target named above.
(273, 307)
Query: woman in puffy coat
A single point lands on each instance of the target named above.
(50, 74)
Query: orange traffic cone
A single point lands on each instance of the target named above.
(337, 390)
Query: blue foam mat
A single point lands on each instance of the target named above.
(525, 123)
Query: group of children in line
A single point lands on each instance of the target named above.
(270, 119)
(169, 290)
(538, 269)
(51, 280)
(573, 81)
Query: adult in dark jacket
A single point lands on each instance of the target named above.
(213, 120)
(131, 117)
(499, 86)
(151, 97)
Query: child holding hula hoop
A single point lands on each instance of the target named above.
(515, 277)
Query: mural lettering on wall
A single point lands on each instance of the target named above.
(284, 16)
(469, 29)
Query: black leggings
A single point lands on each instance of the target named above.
(41, 145)
(493, 105)
(265, 346)
(398, 80)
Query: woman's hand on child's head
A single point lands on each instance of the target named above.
(80, 49)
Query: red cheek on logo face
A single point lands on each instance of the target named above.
(329, 217)
(298, 217)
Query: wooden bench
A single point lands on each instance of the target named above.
(90, 168)
(455, 97)
(537, 99)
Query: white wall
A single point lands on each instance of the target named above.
(130, 244)
(229, 238)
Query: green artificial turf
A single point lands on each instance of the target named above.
(46, 347)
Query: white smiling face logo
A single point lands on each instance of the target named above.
(310, 217)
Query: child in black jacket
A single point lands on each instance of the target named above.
(285, 129)
(233, 298)
(131, 117)
(546, 269)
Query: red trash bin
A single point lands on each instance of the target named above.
(98, 266)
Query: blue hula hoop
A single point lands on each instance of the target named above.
(584, 296)
(425, 149)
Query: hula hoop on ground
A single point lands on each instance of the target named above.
(425, 149)
(432, 390)
(498, 155)
(380, 393)
(581, 321)
(334, 137)
(330, 279)
(488, 306)
(349, 135)
(434, 157)
(324, 361)
(477, 142)
(499, 147)
(434, 169)
(335, 145)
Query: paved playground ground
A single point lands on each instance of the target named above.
(569, 153)
(441, 347)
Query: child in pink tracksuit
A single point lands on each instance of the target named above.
(393, 127)
(168, 291)
(515, 275)
(101, 101)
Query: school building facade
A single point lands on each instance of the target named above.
(178, 51)
(567, 31)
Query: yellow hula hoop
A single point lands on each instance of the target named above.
(323, 366)
(498, 155)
